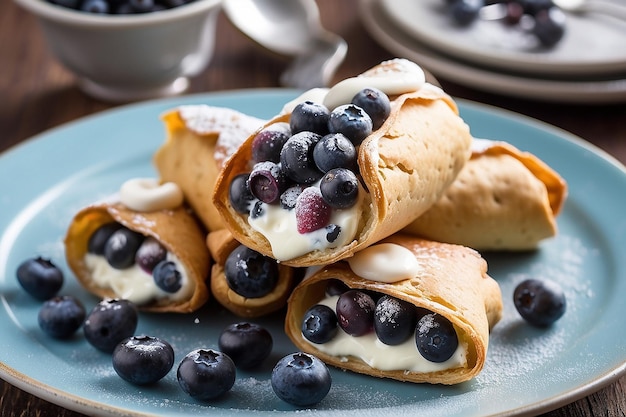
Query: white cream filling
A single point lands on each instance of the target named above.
(385, 262)
(133, 283)
(380, 356)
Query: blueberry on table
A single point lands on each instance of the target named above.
(539, 302)
(375, 103)
(40, 278)
(206, 374)
(121, 248)
(301, 379)
(267, 144)
(167, 277)
(319, 324)
(436, 338)
(98, 239)
(334, 150)
(247, 344)
(61, 316)
(249, 273)
(352, 121)
(394, 320)
(109, 322)
(142, 360)
(296, 158)
(239, 194)
(355, 312)
(340, 188)
(311, 117)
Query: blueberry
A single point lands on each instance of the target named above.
(334, 151)
(149, 254)
(332, 232)
(309, 116)
(247, 344)
(301, 379)
(340, 188)
(267, 144)
(249, 273)
(110, 322)
(257, 210)
(352, 121)
(40, 278)
(539, 302)
(465, 12)
(549, 26)
(336, 287)
(355, 312)
(141, 6)
(206, 374)
(143, 360)
(267, 182)
(98, 239)
(375, 103)
(319, 324)
(167, 277)
(61, 316)
(239, 194)
(289, 197)
(435, 338)
(312, 212)
(296, 158)
(121, 247)
(95, 6)
(394, 320)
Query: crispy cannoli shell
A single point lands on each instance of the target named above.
(177, 230)
(453, 283)
(406, 165)
(221, 243)
(195, 149)
(503, 199)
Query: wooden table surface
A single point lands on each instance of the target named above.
(38, 94)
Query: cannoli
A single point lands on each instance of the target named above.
(271, 282)
(199, 139)
(503, 199)
(137, 249)
(396, 293)
(304, 212)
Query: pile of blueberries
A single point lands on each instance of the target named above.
(541, 18)
(120, 6)
(204, 374)
(316, 145)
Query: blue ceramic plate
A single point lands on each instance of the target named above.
(47, 179)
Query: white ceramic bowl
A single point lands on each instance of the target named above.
(130, 57)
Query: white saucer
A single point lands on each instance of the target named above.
(386, 32)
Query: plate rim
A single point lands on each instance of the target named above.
(80, 404)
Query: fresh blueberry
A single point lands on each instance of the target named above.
(309, 116)
(312, 212)
(167, 277)
(375, 103)
(296, 158)
(247, 344)
(61, 316)
(143, 360)
(258, 210)
(394, 320)
(352, 121)
(267, 144)
(40, 278)
(319, 324)
(332, 232)
(465, 12)
(340, 188)
(121, 247)
(239, 194)
(95, 6)
(355, 312)
(336, 287)
(206, 374)
(539, 302)
(301, 379)
(334, 151)
(435, 338)
(98, 239)
(549, 26)
(289, 197)
(249, 273)
(110, 322)
(149, 254)
(267, 182)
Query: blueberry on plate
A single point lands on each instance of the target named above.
(109, 322)
(301, 379)
(319, 324)
(206, 374)
(435, 338)
(247, 344)
(309, 116)
(40, 278)
(142, 360)
(539, 302)
(249, 273)
(61, 316)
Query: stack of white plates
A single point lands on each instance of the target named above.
(588, 65)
